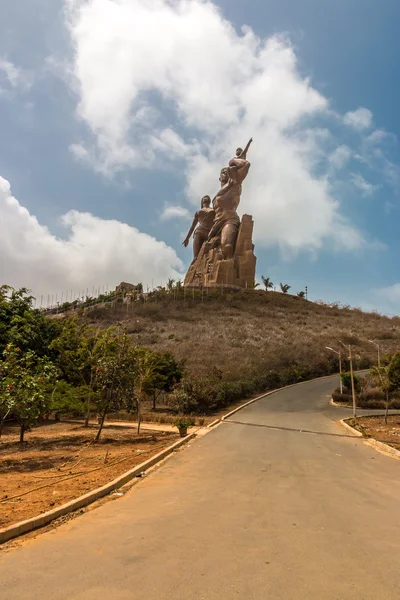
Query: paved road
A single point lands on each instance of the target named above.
(247, 512)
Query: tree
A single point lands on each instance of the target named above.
(394, 372)
(113, 374)
(285, 288)
(167, 373)
(170, 285)
(24, 326)
(301, 294)
(76, 351)
(29, 379)
(267, 283)
(381, 376)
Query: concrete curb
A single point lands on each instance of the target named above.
(379, 446)
(355, 432)
(213, 423)
(35, 522)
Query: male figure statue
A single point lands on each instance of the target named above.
(204, 219)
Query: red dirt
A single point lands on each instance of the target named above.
(57, 451)
(375, 427)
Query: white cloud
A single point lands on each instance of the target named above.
(174, 212)
(359, 119)
(13, 77)
(390, 293)
(96, 251)
(10, 72)
(161, 81)
(340, 156)
(362, 184)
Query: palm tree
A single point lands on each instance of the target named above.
(170, 284)
(301, 294)
(285, 288)
(267, 282)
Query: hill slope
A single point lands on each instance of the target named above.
(246, 334)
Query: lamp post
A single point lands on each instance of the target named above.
(379, 351)
(353, 391)
(340, 366)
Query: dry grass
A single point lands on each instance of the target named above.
(245, 333)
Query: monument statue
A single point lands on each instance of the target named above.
(204, 219)
(225, 255)
(225, 203)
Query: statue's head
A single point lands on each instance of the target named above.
(224, 175)
(205, 202)
(238, 152)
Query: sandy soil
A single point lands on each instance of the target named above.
(63, 458)
(375, 427)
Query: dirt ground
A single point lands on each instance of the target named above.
(375, 427)
(63, 458)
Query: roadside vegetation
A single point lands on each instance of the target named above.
(170, 352)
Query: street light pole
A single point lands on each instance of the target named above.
(353, 391)
(379, 351)
(340, 367)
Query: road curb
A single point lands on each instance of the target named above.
(376, 444)
(23, 527)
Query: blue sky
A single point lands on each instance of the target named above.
(114, 116)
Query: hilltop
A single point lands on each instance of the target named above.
(247, 334)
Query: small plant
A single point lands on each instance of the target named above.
(301, 294)
(267, 283)
(182, 423)
(285, 287)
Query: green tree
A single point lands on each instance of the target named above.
(166, 374)
(76, 350)
(394, 372)
(381, 376)
(267, 283)
(285, 287)
(29, 379)
(24, 326)
(301, 294)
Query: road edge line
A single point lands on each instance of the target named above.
(33, 523)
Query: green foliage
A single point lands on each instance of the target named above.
(346, 380)
(26, 380)
(301, 294)
(184, 422)
(285, 287)
(394, 372)
(267, 283)
(23, 326)
(66, 398)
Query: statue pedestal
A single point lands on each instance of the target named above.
(210, 269)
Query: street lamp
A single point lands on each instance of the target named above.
(379, 351)
(353, 392)
(340, 365)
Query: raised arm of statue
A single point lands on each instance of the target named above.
(192, 228)
(244, 153)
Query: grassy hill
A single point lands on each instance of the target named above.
(251, 333)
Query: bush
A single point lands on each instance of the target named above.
(346, 380)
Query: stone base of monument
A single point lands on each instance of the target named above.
(211, 270)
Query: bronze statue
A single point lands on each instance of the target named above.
(203, 219)
(225, 203)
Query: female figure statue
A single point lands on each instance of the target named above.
(203, 219)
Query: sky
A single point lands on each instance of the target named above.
(116, 117)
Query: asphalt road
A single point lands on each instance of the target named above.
(260, 508)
